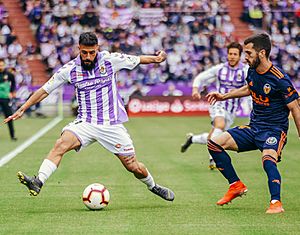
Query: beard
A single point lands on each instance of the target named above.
(233, 64)
(255, 63)
(88, 66)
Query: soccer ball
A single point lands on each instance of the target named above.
(95, 196)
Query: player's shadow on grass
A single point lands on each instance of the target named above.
(148, 207)
(68, 210)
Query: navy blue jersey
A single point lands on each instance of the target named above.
(271, 92)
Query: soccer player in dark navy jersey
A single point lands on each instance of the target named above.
(271, 91)
(274, 97)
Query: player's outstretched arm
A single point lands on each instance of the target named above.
(37, 96)
(205, 78)
(149, 59)
(213, 97)
(295, 110)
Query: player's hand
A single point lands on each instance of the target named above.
(213, 97)
(19, 113)
(196, 95)
(161, 56)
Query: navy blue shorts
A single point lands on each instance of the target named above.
(251, 138)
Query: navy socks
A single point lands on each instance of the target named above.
(223, 161)
(274, 178)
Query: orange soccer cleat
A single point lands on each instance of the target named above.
(275, 208)
(237, 189)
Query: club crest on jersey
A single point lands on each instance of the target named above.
(102, 69)
(267, 88)
(271, 141)
(239, 76)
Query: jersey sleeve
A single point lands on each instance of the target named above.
(289, 93)
(207, 77)
(123, 61)
(61, 77)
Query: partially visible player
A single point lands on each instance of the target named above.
(226, 76)
(7, 92)
(274, 97)
(101, 112)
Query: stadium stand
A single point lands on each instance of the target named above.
(281, 19)
(190, 32)
(11, 50)
(20, 25)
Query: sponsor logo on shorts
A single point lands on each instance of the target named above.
(128, 149)
(271, 141)
(118, 146)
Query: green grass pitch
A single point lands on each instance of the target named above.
(132, 208)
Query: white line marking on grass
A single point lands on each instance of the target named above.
(6, 158)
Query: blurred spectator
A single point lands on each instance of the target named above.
(12, 52)
(186, 31)
(281, 20)
(194, 33)
(3, 12)
(7, 92)
(15, 49)
(172, 91)
(137, 90)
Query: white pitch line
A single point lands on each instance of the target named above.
(6, 158)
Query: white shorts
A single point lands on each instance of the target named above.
(217, 110)
(114, 138)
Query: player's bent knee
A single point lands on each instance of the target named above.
(225, 141)
(271, 154)
(127, 161)
(135, 168)
(213, 146)
(141, 165)
(216, 140)
(220, 123)
(220, 126)
(61, 146)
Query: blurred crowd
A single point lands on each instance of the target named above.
(281, 19)
(12, 51)
(194, 33)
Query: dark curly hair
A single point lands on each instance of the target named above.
(88, 39)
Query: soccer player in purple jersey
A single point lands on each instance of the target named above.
(226, 76)
(101, 112)
(274, 97)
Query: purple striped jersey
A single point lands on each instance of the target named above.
(231, 78)
(226, 79)
(96, 90)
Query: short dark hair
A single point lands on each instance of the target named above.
(260, 42)
(235, 45)
(88, 39)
